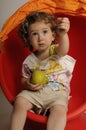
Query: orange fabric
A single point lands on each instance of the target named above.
(68, 7)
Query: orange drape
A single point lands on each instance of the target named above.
(68, 7)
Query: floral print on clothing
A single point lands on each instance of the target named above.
(57, 69)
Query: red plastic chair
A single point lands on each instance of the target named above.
(14, 54)
(10, 71)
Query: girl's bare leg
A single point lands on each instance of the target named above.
(19, 113)
(57, 118)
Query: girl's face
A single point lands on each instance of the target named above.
(40, 36)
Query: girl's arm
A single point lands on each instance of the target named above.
(63, 27)
(29, 86)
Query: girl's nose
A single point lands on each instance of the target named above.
(40, 37)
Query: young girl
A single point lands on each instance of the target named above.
(39, 32)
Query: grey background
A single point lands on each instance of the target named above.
(7, 8)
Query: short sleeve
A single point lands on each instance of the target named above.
(69, 63)
(25, 71)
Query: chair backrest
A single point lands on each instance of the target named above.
(11, 62)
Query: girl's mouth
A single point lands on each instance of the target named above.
(41, 44)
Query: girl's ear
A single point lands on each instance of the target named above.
(54, 36)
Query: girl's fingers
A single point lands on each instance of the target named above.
(63, 24)
(63, 20)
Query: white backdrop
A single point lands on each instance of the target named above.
(8, 7)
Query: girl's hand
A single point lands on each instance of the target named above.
(29, 86)
(33, 87)
(63, 25)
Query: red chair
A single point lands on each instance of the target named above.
(10, 75)
(10, 71)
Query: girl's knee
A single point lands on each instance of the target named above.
(59, 109)
(22, 103)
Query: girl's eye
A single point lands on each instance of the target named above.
(34, 34)
(45, 31)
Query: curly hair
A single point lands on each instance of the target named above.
(32, 18)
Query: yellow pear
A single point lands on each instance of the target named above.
(38, 77)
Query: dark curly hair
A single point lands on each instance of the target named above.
(32, 18)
